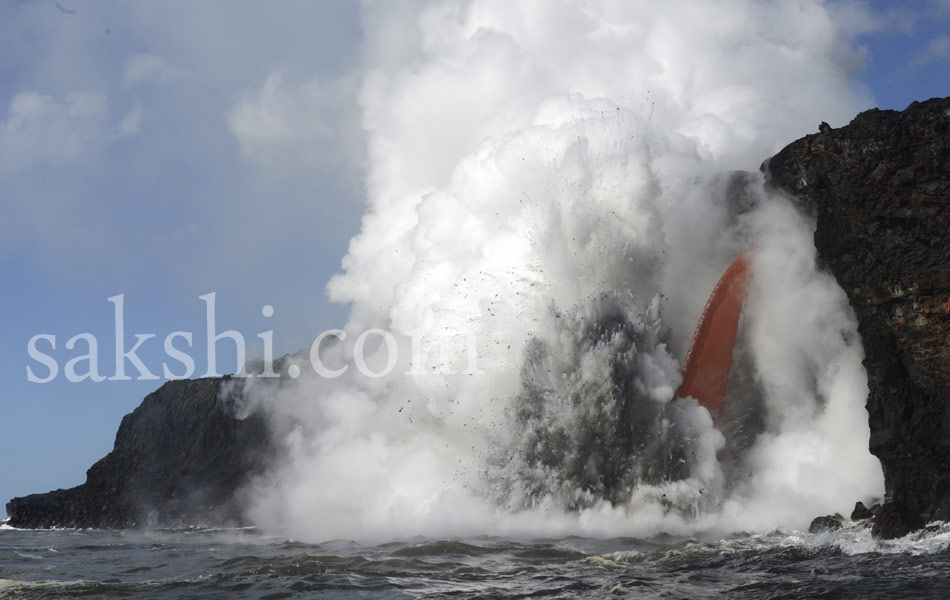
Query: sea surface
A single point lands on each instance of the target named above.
(243, 563)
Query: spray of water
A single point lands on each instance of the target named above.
(549, 196)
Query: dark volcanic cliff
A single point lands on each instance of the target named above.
(178, 460)
(880, 189)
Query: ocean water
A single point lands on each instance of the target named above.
(244, 563)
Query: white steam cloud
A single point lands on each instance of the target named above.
(539, 169)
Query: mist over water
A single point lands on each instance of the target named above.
(548, 208)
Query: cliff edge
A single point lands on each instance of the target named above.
(880, 190)
(178, 460)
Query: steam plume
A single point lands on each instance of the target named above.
(546, 195)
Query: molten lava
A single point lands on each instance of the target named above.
(706, 373)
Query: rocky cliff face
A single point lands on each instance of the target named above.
(880, 189)
(178, 460)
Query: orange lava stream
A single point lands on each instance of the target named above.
(706, 373)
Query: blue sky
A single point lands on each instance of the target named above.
(154, 150)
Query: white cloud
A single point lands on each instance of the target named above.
(285, 127)
(856, 17)
(41, 129)
(938, 49)
(150, 69)
(131, 123)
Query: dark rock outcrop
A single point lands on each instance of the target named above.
(862, 512)
(178, 460)
(880, 190)
(895, 520)
(826, 523)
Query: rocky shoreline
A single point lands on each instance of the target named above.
(879, 189)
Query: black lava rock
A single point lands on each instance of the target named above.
(826, 523)
(879, 189)
(178, 460)
(861, 512)
(895, 520)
